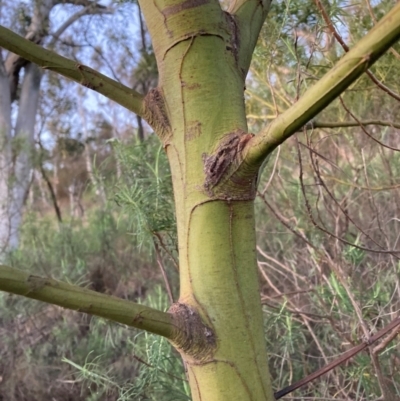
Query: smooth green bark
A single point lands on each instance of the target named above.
(84, 300)
(202, 90)
(198, 111)
(222, 283)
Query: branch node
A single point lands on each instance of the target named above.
(225, 169)
(194, 339)
(155, 113)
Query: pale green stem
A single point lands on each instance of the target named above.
(83, 300)
(347, 70)
(73, 70)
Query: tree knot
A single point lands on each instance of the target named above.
(155, 113)
(193, 338)
(225, 169)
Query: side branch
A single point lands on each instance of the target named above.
(83, 300)
(340, 77)
(249, 15)
(79, 73)
(350, 124)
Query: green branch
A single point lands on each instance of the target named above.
(348, 124)
(249, 16)
(71, 69)
(83, 300)
(340, 77)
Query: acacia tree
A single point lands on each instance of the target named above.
(198, 111)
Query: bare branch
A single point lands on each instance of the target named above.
(79, 73)
(83, 300)
(384, 343)
(346, 71)
(37, 30)
(361, 125)
(92, 9)
(338, 361)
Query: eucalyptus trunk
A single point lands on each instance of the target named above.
(5, 154)
(17, 145)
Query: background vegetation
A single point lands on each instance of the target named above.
(327, 221)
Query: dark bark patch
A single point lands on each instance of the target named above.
(88, 85)
(193, 338)
(191, 86)
(155, 113)
(185, 5)
(233, 45)
(36, 283)
(193, 130)
(217, 165)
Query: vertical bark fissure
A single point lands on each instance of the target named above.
(196, 382)
(239, 289)
(239, 376)
(188, 264)
(231, 269)
(183, 96)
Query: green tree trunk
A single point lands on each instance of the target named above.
(201, 95)
(198, 111)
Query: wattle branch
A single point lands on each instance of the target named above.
(71, 69)
(83, 300)
(346, 71)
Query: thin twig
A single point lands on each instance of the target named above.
(346, 48)
(164, 273)
(349, 124)
(343, 358)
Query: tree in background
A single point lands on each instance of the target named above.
(203, 54)
(20, 83)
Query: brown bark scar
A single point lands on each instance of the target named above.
(193, 130)
(177, 8)
(155, 113)
(234, 36)
(228, 152)
(194, 339)
(36, 282)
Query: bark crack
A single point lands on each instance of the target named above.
(234, 37)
